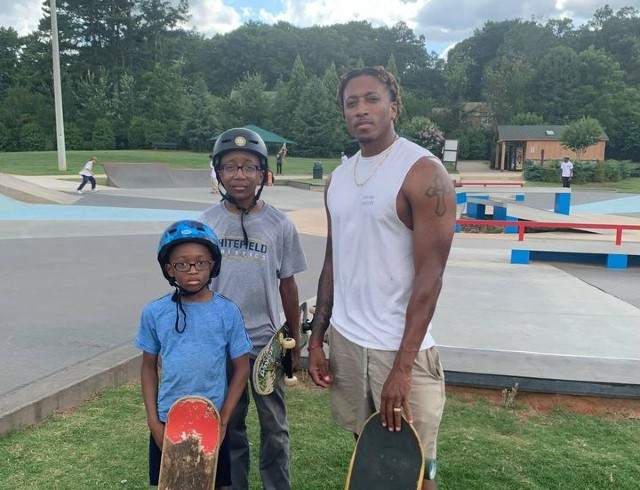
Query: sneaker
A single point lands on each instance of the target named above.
(79, 192)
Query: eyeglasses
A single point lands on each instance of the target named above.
(200, 265)
(247, 170)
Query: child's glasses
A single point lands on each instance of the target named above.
(247, 170)
(200, 265)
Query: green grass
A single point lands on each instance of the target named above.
(103, 444)
(46, 162)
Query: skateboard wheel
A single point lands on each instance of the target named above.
(288, 343)
(312, 309)
(292, 381)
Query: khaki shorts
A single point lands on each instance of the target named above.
(359, 374)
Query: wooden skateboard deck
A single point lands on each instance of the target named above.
(190, 445)
(274, 362)
(384, 460)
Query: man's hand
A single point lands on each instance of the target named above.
(157, 432)
(319, 368)
(394, 400)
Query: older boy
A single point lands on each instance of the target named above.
(262, 255)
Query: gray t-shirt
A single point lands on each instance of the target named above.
(249, 276)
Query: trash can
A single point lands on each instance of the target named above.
(317, 170)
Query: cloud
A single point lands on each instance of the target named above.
(22, 15)
(305, 13)
(454, 20)
(213, 17)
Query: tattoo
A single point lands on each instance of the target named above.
(438, 190)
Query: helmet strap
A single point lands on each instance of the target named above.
(177, 298)
(243, 211)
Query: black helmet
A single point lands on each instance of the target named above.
(240, 139)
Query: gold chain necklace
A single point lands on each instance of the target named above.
(384, 156)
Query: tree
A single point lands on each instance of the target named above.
(424, 132)
(103, 137)
(247, 103)
(581, 134)
(507, 84)
(9, 57)
(556, 84)
(314, 122)
(393, 67)
(201, 119)
(527, 119)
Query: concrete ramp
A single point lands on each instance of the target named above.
(191, 178)
(25, 191)
(153, 175)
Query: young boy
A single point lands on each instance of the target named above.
(262, 254)
(87, 175)
(194, 331)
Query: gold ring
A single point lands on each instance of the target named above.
(397, 409)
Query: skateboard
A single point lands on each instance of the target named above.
(384, 460)
(273, 362)
(190, 445)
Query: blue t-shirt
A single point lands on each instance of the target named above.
(194, 362)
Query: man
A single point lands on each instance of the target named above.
(343, 158)
(567, 172)
(391, 215)
(280, 158)
(262, 253)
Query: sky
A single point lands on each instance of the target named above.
(442, 22)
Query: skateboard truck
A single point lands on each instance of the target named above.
(288, 343)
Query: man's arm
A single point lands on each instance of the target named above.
(430, 211)
(291, 307)
(318, 365)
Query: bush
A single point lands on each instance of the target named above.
(583, 172)
(32, 137)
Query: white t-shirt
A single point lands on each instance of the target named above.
(373, 268)
(87, 169)
(567, 168)
(344, 159)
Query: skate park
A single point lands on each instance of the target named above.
(551, 326)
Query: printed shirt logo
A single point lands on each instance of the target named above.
(232, 247)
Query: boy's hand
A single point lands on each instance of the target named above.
(157, 432)
(223, 431)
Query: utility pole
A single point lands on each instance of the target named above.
(57, 89)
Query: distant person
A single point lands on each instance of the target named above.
(343, 158)
(567, 172)
(214, 179)
(87, 175)
(280, 158)
(195, 331)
